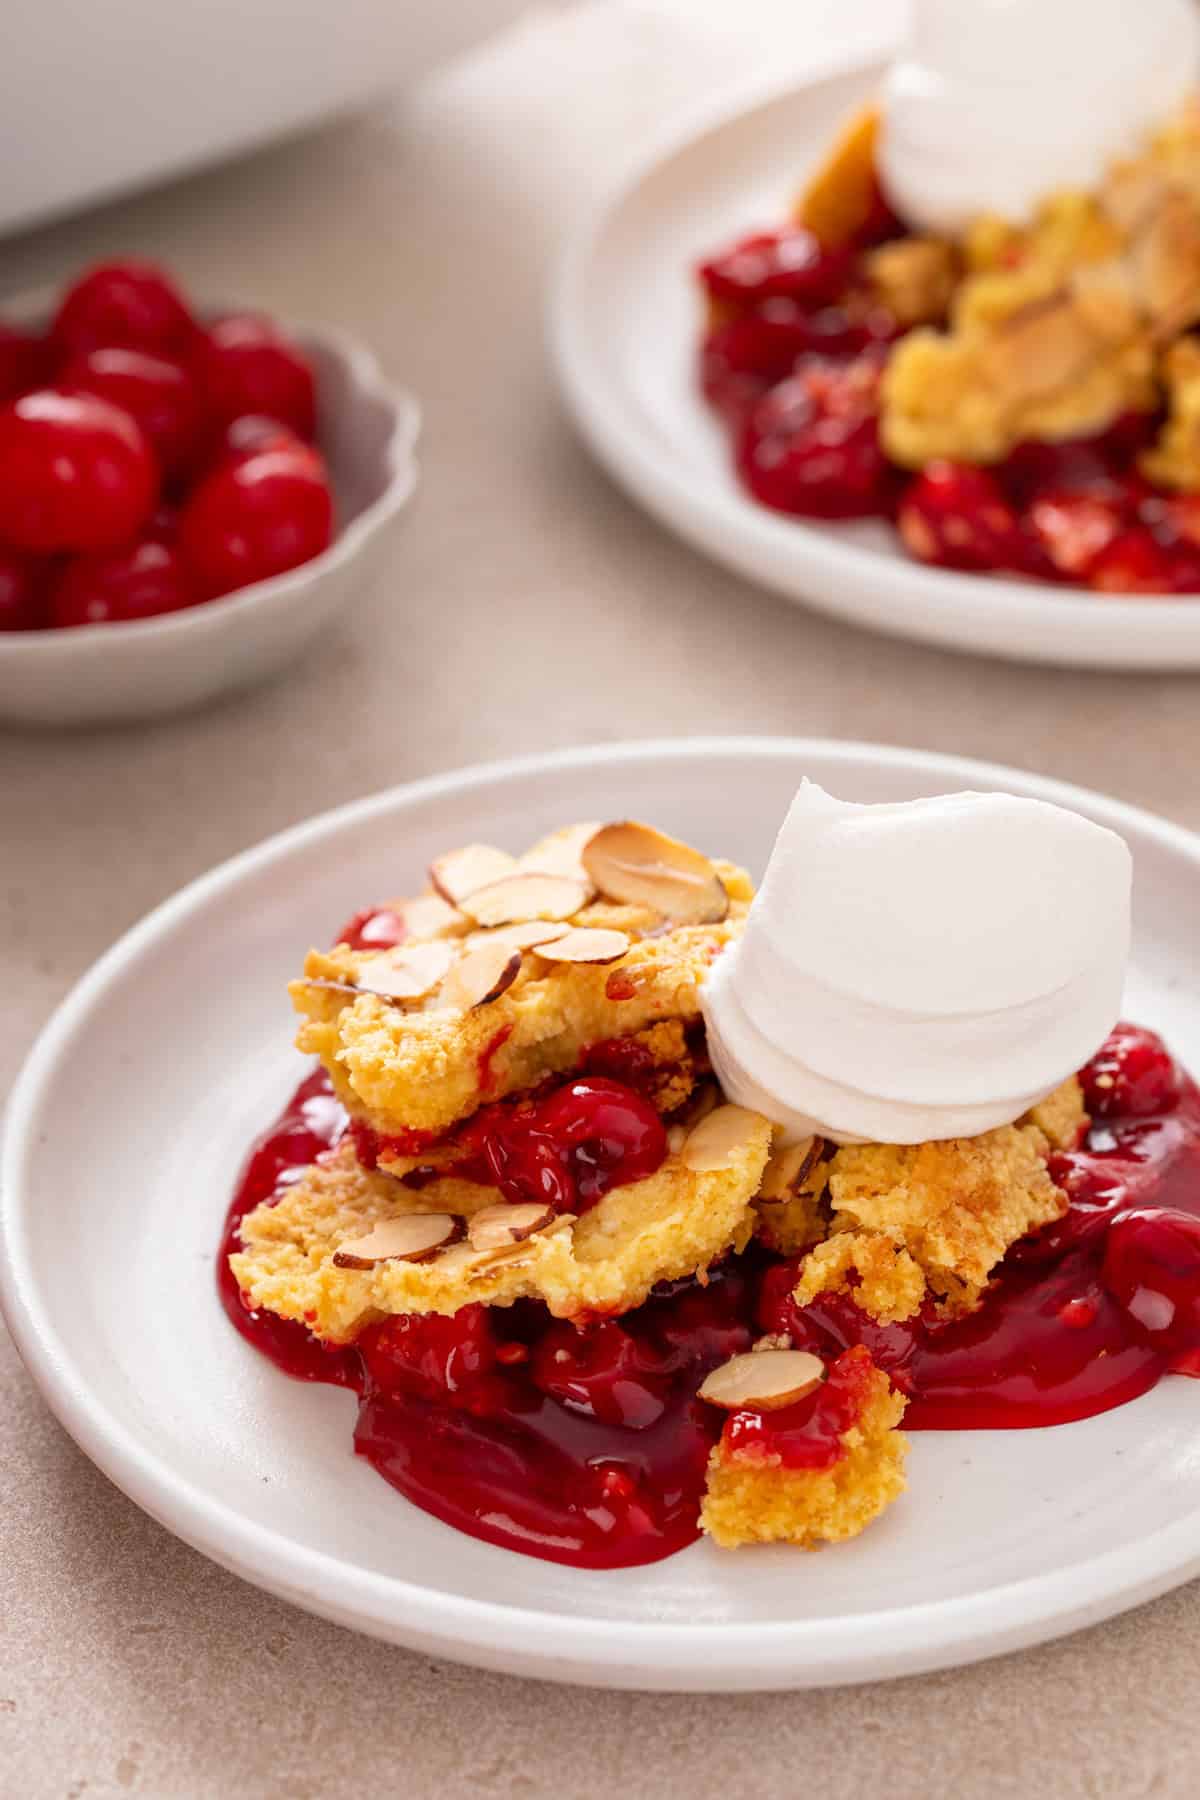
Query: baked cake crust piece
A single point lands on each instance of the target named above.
(757, 1501)
(423, 1067)
(674, 1223)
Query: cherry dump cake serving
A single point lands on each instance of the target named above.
(980, 323)
(632, 1206)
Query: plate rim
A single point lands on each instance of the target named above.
(983, 615)
(575, 1647)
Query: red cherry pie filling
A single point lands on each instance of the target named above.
(970, 392)
(584, 1440)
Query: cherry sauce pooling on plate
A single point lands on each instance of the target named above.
(588, 1446)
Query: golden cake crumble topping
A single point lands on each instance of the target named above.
(539, 1165)
(564, 961)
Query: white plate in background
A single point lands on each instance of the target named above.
(125, 1134)
(625, 319)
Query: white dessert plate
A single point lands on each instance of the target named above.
(125, 1134)
(624, 321)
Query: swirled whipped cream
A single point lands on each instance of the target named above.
(999, 102)
(926, 969)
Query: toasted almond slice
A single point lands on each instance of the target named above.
(763, 1380)
(790, 1171)
(495, 1227)
(428, 916)
(524, 936)
(479, 976)
(585, 945)
(561, 852)
(407, 973)
(515, 899)
(413, 1238)
(635, 863)
(460, 872)
(719, 1138)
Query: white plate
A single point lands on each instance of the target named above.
(624, 323)
(125, 1135)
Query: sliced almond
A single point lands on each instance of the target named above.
(413, 1238)
(635, 863)
(719, 1139)
(561, 852)
(524, 936)
(585, 944)
(428, 916)
(790, 1172)
(479, 976)
(495, 1227)
(514, 899)
(763, 1380)
(460, 872)
(407, 973)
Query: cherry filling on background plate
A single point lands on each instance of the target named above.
(792, 359)
(586, 1444)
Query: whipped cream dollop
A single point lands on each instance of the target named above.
(999, 102)
(926, 969)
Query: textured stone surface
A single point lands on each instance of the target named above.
(129, 1664)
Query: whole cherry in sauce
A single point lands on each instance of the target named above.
(605, 1371)
(1152, 1269)
(132, 304)
(776, 265)
(569, 1149)
(957, 516)
(78, 473)
(811, 445)
(1133, 1074)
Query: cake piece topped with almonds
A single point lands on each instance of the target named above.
(512, 969)
(808, 1454)
(344, 1245)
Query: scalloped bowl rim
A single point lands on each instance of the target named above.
(398, 457)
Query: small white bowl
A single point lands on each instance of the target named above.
(98, 674)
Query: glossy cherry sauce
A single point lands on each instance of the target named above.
(588, 1446)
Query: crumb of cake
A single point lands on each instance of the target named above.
(1059, 328)
(884, 1279)
(755, 1499)
(1061, 1116)
(954, 1205)
(404, 1069)
(914, 278)
(1174, 460)
(842, 194)
(675, 1222)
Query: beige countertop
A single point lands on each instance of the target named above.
(130, 1664)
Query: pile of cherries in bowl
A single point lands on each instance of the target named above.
(792, 359)
(151, 460)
